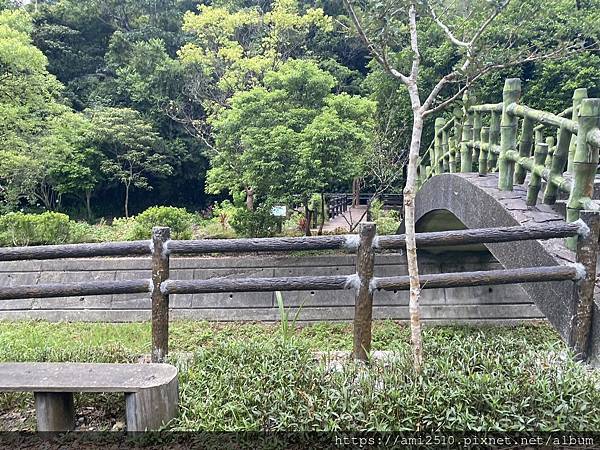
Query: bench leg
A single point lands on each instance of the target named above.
(149, 409)
(55, 411)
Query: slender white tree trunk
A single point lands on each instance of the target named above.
(127, 200)
(411, 246)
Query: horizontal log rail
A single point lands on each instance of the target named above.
(284, 244)
(75, 289)
(279, 244)
(401, 283)
(130, 248)
(484, 235)
(482, 278)
(222, 284)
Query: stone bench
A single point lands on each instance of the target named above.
(151, 390)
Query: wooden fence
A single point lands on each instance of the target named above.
(365, 244)
(486, 138)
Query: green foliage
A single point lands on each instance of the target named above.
(257, 223)
(388, 222)
(43, 151)
(34, 229)
(131, 146)
(238, 46)
(257, 381)
(387, 225)
(178, 219)
(296, 137)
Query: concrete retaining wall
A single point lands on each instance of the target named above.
(493, 304)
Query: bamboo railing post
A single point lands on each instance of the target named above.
(437, 146)
(557, 166)
(483, 153)
(587, 255)
(535, 181)
(363, 306)
(477, 123)
(585, 162)
(578, 96)
(445, 150)
(466, 160)
(508, 134)
(422, 175)
(524, 148)
(551, 149)
(452, 155)
(494, 140)
(160, 300)
(458, 119)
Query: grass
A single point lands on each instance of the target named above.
(248, 377)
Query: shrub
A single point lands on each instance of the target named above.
(387, 225)
(34, 229)
(84, 232)
(257, 223)
(223, 213)
(376, 209)
(178, 219)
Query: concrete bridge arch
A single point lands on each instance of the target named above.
(467, 200)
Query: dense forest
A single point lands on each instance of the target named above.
(109, 107)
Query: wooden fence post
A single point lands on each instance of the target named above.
(587, 255)
(160, 300)
(363, 306)
(585, 162)
(508, 134)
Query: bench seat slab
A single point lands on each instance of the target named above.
(83, 377)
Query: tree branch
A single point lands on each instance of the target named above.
(414, 43)
(485, 70)
(376, 54)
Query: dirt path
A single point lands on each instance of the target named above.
(341, 221)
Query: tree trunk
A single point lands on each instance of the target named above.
(88, 203)
(308, 216)
(355, 192)
(127, 200)
(411, 246)
(250, 199)
(322, 221)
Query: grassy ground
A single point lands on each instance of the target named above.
(254, 377)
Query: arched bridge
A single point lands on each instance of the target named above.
(506, 164)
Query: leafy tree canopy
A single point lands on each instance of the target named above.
(290, 136)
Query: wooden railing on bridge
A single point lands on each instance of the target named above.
(485, 138)
(365, 244)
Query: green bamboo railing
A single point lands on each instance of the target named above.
(513, 140)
